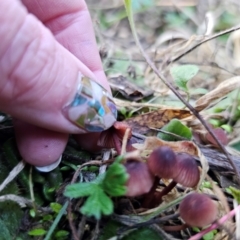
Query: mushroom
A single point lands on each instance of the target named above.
(162, 162)
(140, 179)
(187, 169)
(198, 210)
(112, 138)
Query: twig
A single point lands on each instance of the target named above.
(21, 201)
(172, 88)
(124, 142)
(150, 222)
(15, 171)
(203, 41)
(31, 190)
(203, 64)
(169, 133)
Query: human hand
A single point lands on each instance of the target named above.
(40, 73)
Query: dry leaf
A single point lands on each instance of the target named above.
(222, 90)
(143, 123)
(220, 195)
(127, 89)
(180, 146)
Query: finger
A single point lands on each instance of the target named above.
(71, 25)
(39, 146)
(65, 20)
(39, 77)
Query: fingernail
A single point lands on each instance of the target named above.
(50, 167)
(92, 108)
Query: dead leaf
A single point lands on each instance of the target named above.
(127, 89)
(221, 197)
(222, 90)
(143, 123)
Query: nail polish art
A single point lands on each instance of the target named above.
(92, 108)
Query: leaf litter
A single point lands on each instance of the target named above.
(169, 37)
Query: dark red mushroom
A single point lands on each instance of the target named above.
(162, 162)
(112, 138)
(187, 169)
(184, 170)
(220, 134)
(140, 178)
(198, 210)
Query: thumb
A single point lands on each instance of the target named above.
(39, 78)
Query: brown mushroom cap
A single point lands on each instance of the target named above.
(198, 210)
(140, 178)
(187, 168)
(162, 162)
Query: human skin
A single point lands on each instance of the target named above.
(44, 46)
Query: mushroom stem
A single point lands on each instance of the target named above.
(166, 190)
(149, 197)
(117, 143)
(157, 198)
(175, 228)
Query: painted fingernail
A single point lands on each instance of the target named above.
(50, 167)
(92, 108)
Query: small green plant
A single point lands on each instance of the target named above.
(176, 127)
(235, 193)
(182, 74)
(208, 236)
(37, 232)
(99, 192)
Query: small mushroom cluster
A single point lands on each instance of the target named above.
(164, 163)
(196, 209)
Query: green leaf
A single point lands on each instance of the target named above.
(206, 184)
(32, 213)
(143, 234)
(98, 203)
(10, 218)
(37, 232)
(77, 190)
(61, 234)
(115, 180)
(5, 234)
(56, 207)
(138, 5)
(47, 217)
(210, 235)
(196, 91)
(182, 74)
(176, 127)
(235, 193)
(227, 128)
(111, 228)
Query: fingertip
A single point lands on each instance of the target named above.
(38, 146)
